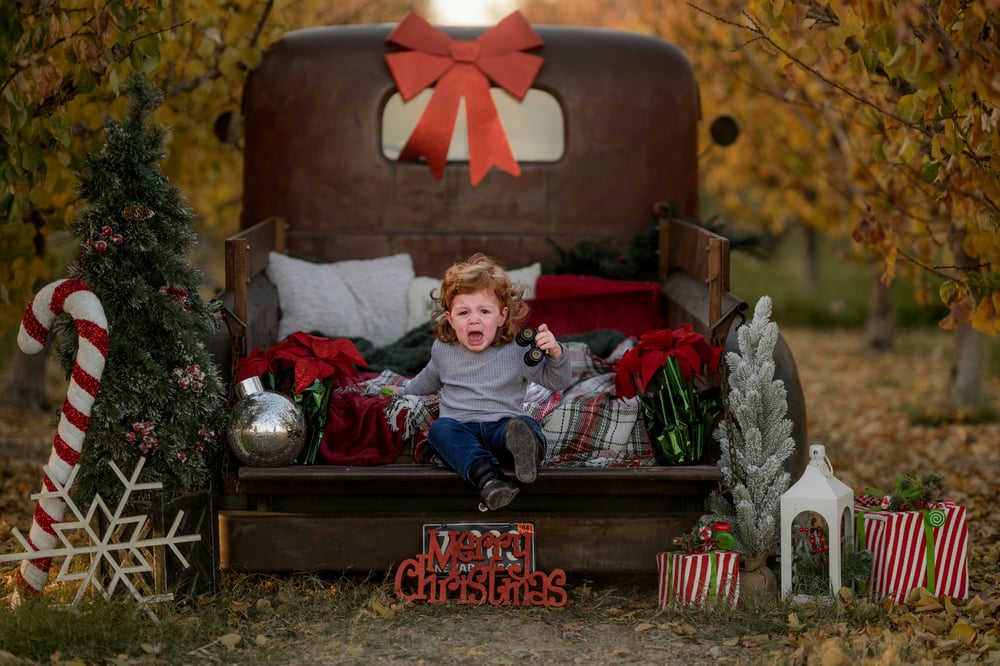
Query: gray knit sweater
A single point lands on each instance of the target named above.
(484, 386)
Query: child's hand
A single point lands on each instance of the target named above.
(546, 341)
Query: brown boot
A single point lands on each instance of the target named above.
(495, 490)
(524, 446)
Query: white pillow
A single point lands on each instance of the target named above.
(364, 298)
(421, 305)
(526, 277)
(380, 288)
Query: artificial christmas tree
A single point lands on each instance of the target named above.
(161, 396)
(755, 440)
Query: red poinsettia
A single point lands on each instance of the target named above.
(310, 357)
(640, 364)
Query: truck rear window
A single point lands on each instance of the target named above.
(535, 127)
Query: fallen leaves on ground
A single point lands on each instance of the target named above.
(859, 405)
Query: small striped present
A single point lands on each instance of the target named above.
(692, 579)
(921, 548)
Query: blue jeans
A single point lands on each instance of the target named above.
(462, 444)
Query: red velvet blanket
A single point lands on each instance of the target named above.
(580, 304)
(357, 432)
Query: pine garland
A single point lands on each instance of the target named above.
(755, 441)
(161, 395)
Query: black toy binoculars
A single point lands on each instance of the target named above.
(526, 338)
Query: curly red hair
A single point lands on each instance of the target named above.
(479, 273)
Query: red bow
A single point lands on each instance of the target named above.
(457, 69)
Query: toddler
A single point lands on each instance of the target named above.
(481, 377)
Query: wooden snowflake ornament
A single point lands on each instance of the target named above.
(119, 548)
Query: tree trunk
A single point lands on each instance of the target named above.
(24, 381)
(810, 256)
(965, 390)
(880, 321)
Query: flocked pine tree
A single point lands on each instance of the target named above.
(161, 395)
(755, 442)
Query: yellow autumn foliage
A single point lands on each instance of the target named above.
(883, 119)
(61, 65)
(877, 120)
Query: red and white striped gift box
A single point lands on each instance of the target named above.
(693, 579)
(912, 549)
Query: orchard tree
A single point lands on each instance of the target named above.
(882, 125)
(912, 91)
(62, 64)
(783, 175)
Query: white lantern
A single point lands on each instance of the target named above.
(817, 491)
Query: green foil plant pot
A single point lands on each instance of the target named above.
(675, 441)
(677, 417)
(314, 402)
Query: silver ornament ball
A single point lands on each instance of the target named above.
(266, 429)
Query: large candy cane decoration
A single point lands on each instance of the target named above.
(76, 299)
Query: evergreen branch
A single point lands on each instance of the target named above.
(755, 447)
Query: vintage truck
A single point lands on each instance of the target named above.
(323, 182)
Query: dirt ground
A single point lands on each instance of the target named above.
(860, 405)
(616, 622)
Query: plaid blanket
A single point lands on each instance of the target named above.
(586, 425)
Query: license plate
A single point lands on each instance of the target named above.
(464, 546)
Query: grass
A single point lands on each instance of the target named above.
(250, 614)
(41, 630)
(840, 299)
(773, 626)
(256, 617)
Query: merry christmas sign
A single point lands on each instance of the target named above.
(480, 565)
